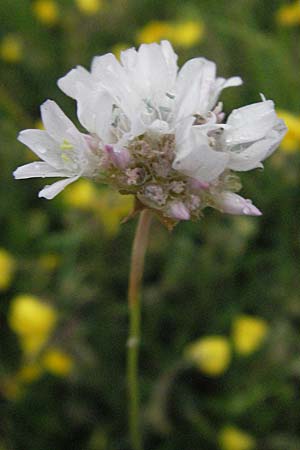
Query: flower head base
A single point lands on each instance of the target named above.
(155, 132)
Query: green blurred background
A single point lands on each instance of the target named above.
(220, 354)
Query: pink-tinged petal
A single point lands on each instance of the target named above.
(179, 211)
(118, 157)
(197, 185)
(231, 203)
(50, 191)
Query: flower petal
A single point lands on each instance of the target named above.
(250, 123)
(43, 146)
(196, 159)
(36, 170)
(193, 88)
(69, 83)
(56, 123)
(219, 85)
(95, 111)
(52, 190)
(250, 157)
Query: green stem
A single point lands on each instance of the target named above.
(134, 305)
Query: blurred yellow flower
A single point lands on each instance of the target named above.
(187, 34)
(118, 48)
(29, 373)
(7, 268)
(248, 333)
(112, 208)
(183, 34)
(291, 141)
(89, 7)
(57, 362)
(211, 354)
(154, 31)
(49, 261)
(46, 11)
(289, 15)
(31, 318)
(32, 344)
(231, 438)
(81, 195)
(11, 48)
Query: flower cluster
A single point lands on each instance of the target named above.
(155, 132)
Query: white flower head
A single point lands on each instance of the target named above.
(156, 132)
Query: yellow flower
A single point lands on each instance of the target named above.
(29, 317)
(248, 333)
(289, 15)
(29, 373)
(11, 48)
(187, 34)
(183, 34)
(231, 438)
(89, 7)
(32, 344)
(57, 362)
(118, 48)
(154, 31)
(7, 267)
(291, 141)
(112, 207)
(211, 354)
(81, 195)
(46, 11)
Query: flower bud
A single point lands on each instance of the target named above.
(179, 211)
(230, 203)
(118, 157)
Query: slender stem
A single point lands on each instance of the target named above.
(135, 280)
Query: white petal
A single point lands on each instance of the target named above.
(95, 111)
(250, 123)
(128, 58)
(219, 85)
(251, 157)
(171, 60)
(36, 170)
(68, 83)
(52, 190)
(43, 146)
(151, 71)
(193, 87)
(196, 159)
(114, 79)
(56, 123)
